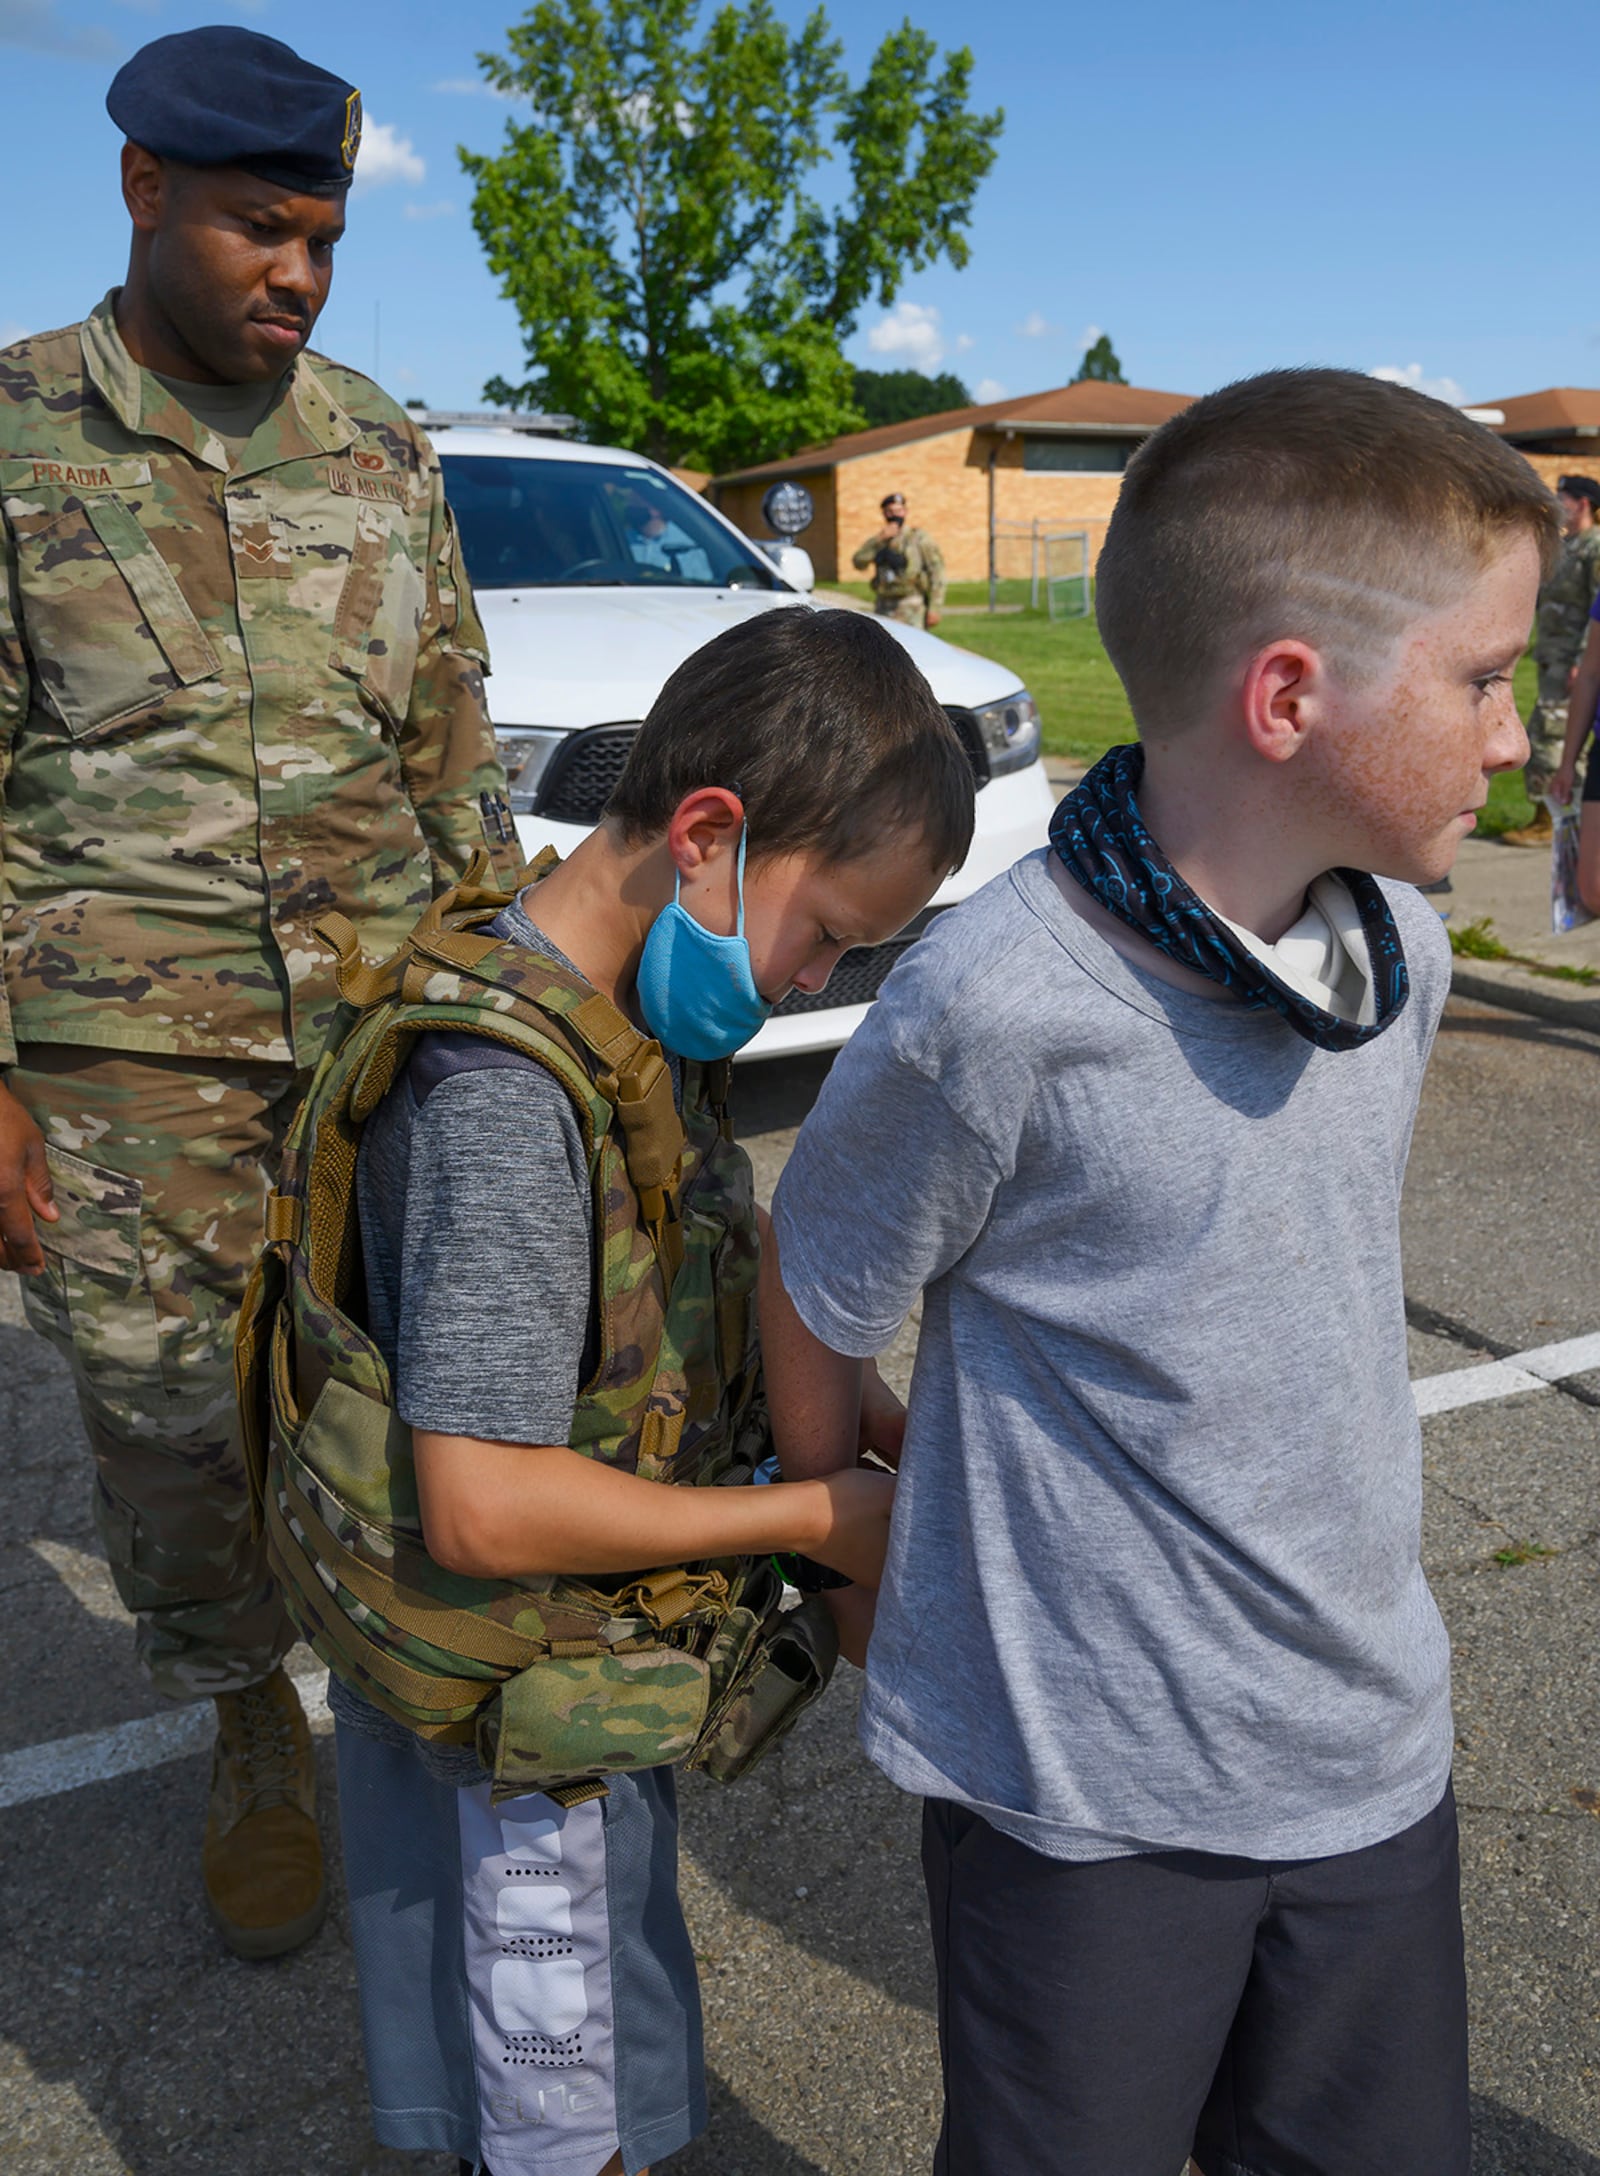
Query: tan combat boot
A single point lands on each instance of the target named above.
(262, 1857)
(1539, 833)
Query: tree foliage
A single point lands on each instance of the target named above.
(681, 289)
(1100, 363)
(896, 396)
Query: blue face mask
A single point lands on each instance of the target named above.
(697, 991)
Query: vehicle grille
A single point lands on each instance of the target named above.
(578, 781)
(860, 975)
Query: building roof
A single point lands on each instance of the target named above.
(1088, 406)
(1560, 410)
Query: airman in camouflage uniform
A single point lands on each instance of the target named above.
(1559, 630)
(241, 682)
(907, 568)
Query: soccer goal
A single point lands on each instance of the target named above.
(1065, 553)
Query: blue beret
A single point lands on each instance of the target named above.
(230, 97)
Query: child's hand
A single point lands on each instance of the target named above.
(857, 1538)
(883, 1417)
(853, 1610)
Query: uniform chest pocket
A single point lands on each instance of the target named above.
(108, 630)
(378, 624)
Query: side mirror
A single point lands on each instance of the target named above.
(793, 562)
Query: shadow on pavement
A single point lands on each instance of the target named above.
(1514, 1027)
(1507, 2144)
(822, 1848)
(737, 2144)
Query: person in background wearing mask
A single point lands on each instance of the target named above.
(907, 568)
(1563, 615)
(241, 683)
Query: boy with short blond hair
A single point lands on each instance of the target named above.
(1154, 1642)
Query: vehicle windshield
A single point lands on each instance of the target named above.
(589, 524)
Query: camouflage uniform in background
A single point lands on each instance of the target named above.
(914, 588)
(1559, 631)
(234, 693)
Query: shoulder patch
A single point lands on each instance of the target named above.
(358, 483)
(351, 143)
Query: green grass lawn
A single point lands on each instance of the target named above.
(1080, 698)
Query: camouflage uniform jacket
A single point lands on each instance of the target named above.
(1565, 599)
(231, 698)
(924, 569)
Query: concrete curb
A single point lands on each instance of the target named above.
(1500, 982)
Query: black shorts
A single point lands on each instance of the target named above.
(1591, 771)
(1306, 2018)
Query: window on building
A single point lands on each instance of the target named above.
(1098, 456)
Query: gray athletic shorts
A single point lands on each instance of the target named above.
(528, 1992)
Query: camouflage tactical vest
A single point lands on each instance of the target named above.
(556, 1680)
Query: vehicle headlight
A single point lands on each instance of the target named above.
(525, 750)
(1010, 732)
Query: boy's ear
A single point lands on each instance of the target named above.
(1284, 684)
(704, 823)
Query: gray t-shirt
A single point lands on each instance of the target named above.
(1153, 1577)
(477, 1231)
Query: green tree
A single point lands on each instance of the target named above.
(896, 396)
(680, 289)
(1100, 363)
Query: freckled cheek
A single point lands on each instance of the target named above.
(1385, 771)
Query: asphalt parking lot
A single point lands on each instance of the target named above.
(132, 2044)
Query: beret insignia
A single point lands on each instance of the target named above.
(352, 131)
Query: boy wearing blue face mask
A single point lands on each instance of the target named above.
(527, 1984)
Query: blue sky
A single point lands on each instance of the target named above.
(1222, 188)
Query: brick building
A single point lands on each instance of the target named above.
(1054, 457)
(1557, 430)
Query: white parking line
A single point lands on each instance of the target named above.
(1474, 1386)
(69, 1764)
(1574, 1356)
(1538, 1369)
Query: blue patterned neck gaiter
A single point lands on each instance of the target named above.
(1102, 843)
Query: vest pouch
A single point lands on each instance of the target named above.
(768, 1668)
(569, 1717)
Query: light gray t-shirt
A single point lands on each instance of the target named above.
(476, 1230)
(1153, 1578)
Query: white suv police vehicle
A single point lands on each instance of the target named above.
(597, 574)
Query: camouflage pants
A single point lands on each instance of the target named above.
(1547, 730)
(160, 1168)
(913, 610)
